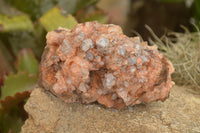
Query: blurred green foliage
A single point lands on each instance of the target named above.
(15, 23)
(98, 15)
(23, 27)
(58, 20)
(17, 83)
(27, 62)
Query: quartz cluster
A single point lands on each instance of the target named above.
(96, 62)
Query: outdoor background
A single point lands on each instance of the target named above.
(172, 25)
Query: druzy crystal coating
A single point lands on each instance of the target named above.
(96, 62)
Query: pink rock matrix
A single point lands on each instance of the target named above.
(97, 63)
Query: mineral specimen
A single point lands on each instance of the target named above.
(98, 63)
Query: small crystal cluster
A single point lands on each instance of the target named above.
(96, 62)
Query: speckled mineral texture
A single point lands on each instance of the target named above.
(96, 62)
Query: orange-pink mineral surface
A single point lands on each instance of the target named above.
(96, 62)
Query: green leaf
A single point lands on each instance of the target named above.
(84, 3)
(99, 16)
(53, 19)
(17, 84)
(27, 61)
(15, 23)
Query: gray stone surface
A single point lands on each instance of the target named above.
(48, 114)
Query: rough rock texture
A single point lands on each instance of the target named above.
(96, 62)
(48, 114)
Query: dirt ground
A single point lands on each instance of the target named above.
(178, 114)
